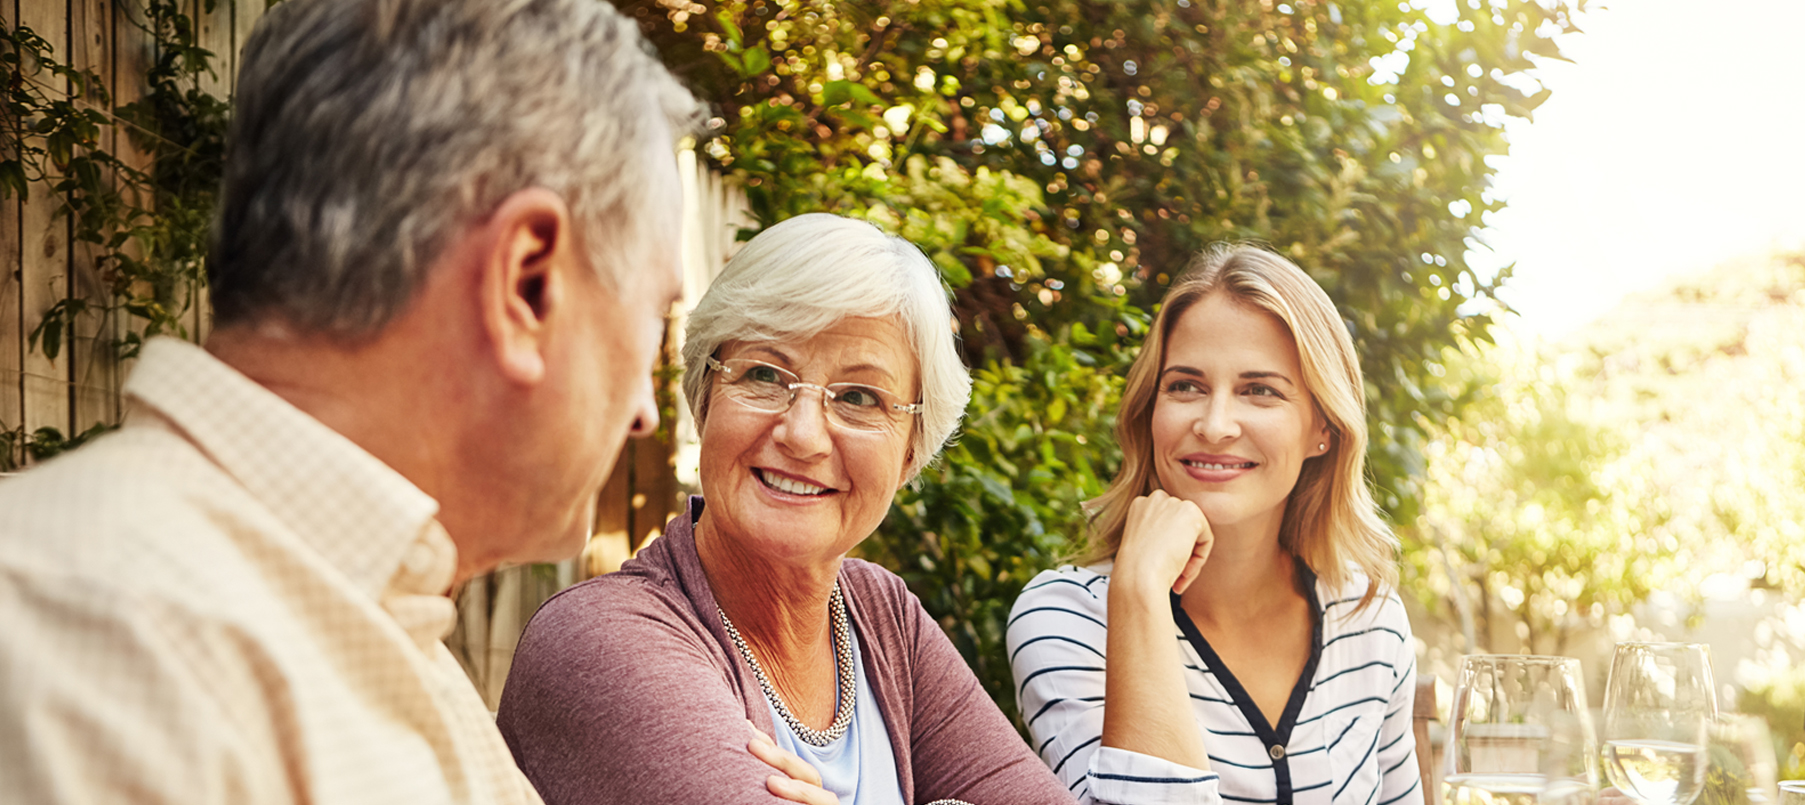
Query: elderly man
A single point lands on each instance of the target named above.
(445, 249)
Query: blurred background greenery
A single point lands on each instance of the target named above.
(1062, 160)
(1059, 161)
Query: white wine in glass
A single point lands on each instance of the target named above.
(1519, 733)
(1658, 706)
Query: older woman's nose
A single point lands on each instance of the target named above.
(802, 429)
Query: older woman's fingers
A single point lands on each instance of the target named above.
(798, 782)
(793, 767)
(797, 791)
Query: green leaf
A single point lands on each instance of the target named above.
(757, 61)
(955, 272)
(729, 28)
(834, 93)
(12, 180)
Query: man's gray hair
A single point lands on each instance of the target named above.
(805, 274)
(367, 131)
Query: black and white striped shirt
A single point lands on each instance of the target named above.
(1346, 740)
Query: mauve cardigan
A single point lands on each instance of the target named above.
(626, 688)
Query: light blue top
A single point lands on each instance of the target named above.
(860, 767)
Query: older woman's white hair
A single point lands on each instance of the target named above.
(805, 274)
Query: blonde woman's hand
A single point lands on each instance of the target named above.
(796, 781)
(1165, 543)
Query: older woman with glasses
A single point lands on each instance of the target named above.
(823, 375)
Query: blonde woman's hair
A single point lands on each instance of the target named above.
(1331, 522)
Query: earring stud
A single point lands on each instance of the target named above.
(1324, 446)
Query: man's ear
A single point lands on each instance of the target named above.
(526, 267)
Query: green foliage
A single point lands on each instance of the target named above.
(1006, 499)
(1536, 519)
(1061, 160)
(147, 227)
(43, 443)
(142, 219)
(1665, 447)
(1781, 701)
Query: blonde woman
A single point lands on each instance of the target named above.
(1238, 584)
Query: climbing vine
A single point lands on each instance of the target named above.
(143, 218)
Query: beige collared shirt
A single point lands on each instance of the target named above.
(228, 602)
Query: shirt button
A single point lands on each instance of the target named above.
(1277, 752)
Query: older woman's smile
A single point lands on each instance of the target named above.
(774, 480)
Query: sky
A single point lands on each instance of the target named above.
(1675, 141)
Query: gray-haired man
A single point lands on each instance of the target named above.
(446, 245)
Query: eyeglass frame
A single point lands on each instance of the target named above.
(827, 394)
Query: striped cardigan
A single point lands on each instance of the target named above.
(1344, 739)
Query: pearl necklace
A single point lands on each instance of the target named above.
(843, 666)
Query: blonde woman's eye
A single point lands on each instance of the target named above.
(1183, 388)
(1264, 391)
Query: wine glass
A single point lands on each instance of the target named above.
(1741, 767)
(1792, 792)
(1519, 732)
(1658, 709)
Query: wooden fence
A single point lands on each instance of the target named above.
(38, 265)
(80, 387)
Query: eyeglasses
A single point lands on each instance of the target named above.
(772, 389)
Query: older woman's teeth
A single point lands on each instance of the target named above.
(790, 485)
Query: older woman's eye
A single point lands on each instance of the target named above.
(763, 374)
(859, 397)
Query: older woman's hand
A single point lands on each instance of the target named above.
(799, 782)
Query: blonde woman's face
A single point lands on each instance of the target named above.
(1233, 421)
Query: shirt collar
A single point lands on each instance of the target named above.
(361, 515)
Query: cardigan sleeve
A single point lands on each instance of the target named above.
(614, 697)
(1401, 783)
(1057, 640)
(961, 746)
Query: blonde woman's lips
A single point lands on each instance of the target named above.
(1211, 468)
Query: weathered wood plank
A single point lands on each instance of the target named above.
(655, 498)
(609, 543)
(213, 31)
(44, 253)
(244, 20)
(134, 52)
(93, 371)
(12, 332)
(216, 31)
